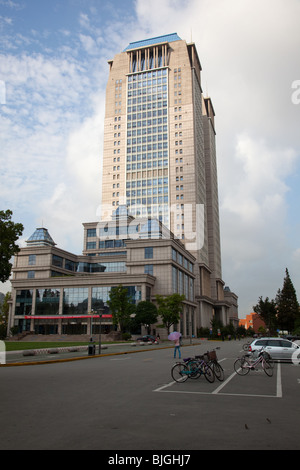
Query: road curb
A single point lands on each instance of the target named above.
(71, 359)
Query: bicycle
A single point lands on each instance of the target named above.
(192, 368)
(215, 365)
(199, 366)
(243, 365)
(254, 354)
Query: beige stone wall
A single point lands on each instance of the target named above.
(115, 133)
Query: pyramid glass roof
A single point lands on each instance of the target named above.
(40, 237)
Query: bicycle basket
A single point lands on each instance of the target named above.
(265, 355)
(212, 355)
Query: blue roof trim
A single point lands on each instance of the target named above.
(148, 42)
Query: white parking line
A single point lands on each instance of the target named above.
(223, 384)
(218, 389)
(278, 383)
(161, 389)
(164, 386)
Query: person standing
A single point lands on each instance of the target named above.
(177, 348)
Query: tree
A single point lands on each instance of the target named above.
(120, 306)
(287, 305)
(266, 309)
(146, 314)
(169, 308)
(215, 326)
(4, 309)
(296, 330)
(9, 234)
(241, 331)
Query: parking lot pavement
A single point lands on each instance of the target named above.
(130, 402)
(242, 412)
(255, 384)
(285, 382)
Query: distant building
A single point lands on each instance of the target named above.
(254, 321)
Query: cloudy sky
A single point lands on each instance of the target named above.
(53, 73)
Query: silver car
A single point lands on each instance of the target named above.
(278, 348)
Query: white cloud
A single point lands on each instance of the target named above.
(258, 186)
(247, 50)
(5, 20)
(89, 44)
(254, 220)
(84, 21)
(52, 124)
(75, 199)
(296, 254)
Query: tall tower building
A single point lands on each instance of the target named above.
(159, 154)
(159, 230)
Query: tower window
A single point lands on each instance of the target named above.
(148, 252)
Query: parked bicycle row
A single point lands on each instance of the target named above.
(207, 365)
(194, 367)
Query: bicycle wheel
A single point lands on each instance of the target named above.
(194, 367)
(217, 370)
(241, 366)
(179, 372)
(267, 367)
(246, 347)
(268, 358)
(271, 362)
(208, 373)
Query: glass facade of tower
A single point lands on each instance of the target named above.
(147, 150)
(159, 161)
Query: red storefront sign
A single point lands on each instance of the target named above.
(58, 317)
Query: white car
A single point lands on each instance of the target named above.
(278, 348)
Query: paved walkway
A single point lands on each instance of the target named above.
(71, 353)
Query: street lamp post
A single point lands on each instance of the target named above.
(98, 311)
(100, 318)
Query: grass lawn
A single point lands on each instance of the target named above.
(22, 345)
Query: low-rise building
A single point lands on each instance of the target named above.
(254, 321)
(58, 292)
